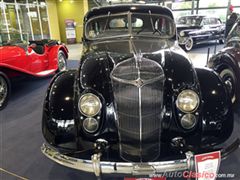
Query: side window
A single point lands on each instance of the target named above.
(205, 21)
(137, 23)
(213, 21)
(94, 29)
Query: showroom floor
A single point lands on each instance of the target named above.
(21, 137)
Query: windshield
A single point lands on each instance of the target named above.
(190, 20)
(136, 24)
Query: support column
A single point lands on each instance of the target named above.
(85, 6)
(192, 12)
(197, 6)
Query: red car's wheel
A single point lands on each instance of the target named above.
(62, 61)
(4, 90)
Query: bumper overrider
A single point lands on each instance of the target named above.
(128, 168)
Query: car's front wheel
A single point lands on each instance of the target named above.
(229, 80)
(189, 44)
(4, 90)
(62, 61)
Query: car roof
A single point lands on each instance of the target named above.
(137, 8)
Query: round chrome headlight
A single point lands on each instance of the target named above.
(181, 33)
(90, 125)
(89, 104)
(187, 101)
(188, 121)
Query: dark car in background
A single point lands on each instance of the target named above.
(136, 105)
(227, 62)
(194, 29)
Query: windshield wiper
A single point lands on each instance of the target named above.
(106, 21)
(152, 24)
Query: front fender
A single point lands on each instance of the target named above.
(58, 124)
(217, 113)
(227, 59)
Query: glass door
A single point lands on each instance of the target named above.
(34, 17)
(25, 22)
(12, 22)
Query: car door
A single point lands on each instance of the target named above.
(38, 59)
(14, 56)
(206, 31)
(215, 27)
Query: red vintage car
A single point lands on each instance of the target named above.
(38, 58)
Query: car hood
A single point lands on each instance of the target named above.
(101, 58)
(134, 45)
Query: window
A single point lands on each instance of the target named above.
(141, 25)
(118, 23)
(213, 21)
(20, 20)
(107, 26)
(190, 20)
(205, 21)
(44, 21)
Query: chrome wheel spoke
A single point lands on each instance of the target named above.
(3, 90)
(61, 62)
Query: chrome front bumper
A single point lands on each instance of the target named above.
(128, 168)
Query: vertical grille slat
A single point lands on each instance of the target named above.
(139, 108)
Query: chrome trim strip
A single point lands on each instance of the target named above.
(139, 84)
(136, 82)
(140, 119)
(129, 168)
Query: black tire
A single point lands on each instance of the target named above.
(189, 44)
(229, 79)
(4, 90)
(62, 61)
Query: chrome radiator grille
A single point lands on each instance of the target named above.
(138, 92)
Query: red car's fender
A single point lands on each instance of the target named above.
(15, 60)
(53, 55)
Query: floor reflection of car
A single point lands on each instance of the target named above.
(227, 62)
(194, 29)
(39, 58)
(136, 105)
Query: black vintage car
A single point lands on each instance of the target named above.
(194, 29)
(136, 105)
(227, 62)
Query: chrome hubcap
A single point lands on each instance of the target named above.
(3, 90)
(189, 44)
(229, 80)
(61, 63)
(230, 87)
